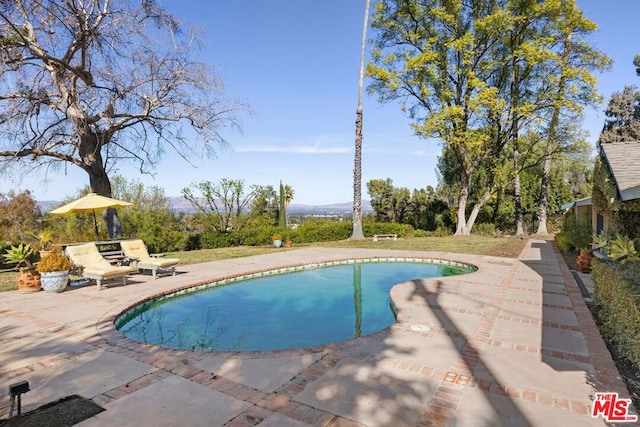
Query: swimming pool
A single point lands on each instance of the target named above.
(296, 307)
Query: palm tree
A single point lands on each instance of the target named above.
(282, 208)
(288, 195)
(285, 196)
(357, 233)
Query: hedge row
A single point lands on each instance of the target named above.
(309, 232)
(617, 287)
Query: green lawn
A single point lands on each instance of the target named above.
(504, 247)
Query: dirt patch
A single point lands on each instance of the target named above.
(64, 412)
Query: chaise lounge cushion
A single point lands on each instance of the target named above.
(93, 265)
(137, 251)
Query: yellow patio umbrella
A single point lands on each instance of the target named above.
(92, 202)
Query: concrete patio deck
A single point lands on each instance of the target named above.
(512, 344)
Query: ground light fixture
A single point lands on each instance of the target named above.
(17, 389)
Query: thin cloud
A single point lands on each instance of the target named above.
(293, 149)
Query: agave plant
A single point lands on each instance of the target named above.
(623, 249)
(20, 256)
(599, 241)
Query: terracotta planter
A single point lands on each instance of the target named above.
(28, 281)
(45, 252)
(288, 244)
(583, 261)
(54, 281)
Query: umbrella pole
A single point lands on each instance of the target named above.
(95, 224)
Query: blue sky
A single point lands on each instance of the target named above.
(296, 63)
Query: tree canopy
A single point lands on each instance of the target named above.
(475, 74)
(622, 123)
(96, 82)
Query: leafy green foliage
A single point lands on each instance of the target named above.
(616, 293)
(221, 203)
(624, 217)
(317, 230)
(574, 235)
(19, 255)
(600, 241)
(622, 249)
(474, 75)
(421, 209)
(401, 230)
(622, 123)
(216, 239)
(20, 217)
(487, 230)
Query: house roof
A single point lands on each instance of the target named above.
(624, 161)
(582, 202)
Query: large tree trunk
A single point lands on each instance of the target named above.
(516, 152)
(461, 226)
(544, 187)
(516, 191)
(89, 150)
(357, 233)
(551, 140)
(476, 209)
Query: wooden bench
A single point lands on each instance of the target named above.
(377, 237)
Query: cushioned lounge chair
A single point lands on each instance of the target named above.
(92, 265)
(137, 252)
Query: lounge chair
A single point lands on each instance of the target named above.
(92, 265)
(137, 253)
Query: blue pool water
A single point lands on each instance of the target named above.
(295, 310)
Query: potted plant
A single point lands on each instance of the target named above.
(28, 279)
(44, 237)
(286, 238)
(54, 272)
(583, 261)
(277, 240)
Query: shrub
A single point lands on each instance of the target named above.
(192, 242)
(217, 239)
(486, 229)
(562, 242)
(573, 235)
(258, 236)
(323, 231)
(616, 292)
(440, 232)
(56, 261)
(402, 230)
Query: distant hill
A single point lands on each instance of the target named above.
(47, 205)
(179, 204)
(346, 207)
